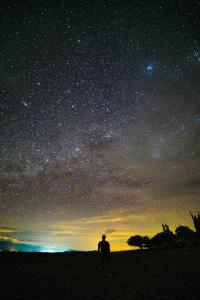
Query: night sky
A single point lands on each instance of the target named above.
(99, 120)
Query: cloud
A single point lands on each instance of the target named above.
(9, 239)
(62, 234)
(109, 231)
(28, 237)
(8, 244)
(7, 229)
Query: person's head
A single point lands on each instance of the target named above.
(103, 237)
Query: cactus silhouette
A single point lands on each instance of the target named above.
(165, 228)
(196, 221)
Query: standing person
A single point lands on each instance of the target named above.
(104, 256)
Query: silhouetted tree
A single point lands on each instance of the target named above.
(184, 236)
(135, 240)
(184, 232)
(163, 239)
(146, 241)
(139, 241)
(158, 240)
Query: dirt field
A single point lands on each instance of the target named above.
(158, 274)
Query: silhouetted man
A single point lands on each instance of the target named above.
(104, 255)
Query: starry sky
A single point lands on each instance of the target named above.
(99, 120)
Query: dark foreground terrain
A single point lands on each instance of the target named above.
(158, 274)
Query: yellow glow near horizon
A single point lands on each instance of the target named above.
(118, 224)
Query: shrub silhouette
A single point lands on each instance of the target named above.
(184, 236)
(184, 232)
(139, 241)
(165, 238)
(157, 240)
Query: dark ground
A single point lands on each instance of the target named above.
(158, 274)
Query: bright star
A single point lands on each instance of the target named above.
(25, 103)
(150, 67)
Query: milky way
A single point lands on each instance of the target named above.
(99, 120)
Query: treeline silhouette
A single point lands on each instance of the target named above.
(183, 237)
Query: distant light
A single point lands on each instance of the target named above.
(12, 250)
(53, 250)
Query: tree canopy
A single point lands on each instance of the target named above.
(184, 236)
(138, 241)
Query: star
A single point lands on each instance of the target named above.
(109, 134)
(150, 68)
(25, 103)
(99, 120)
